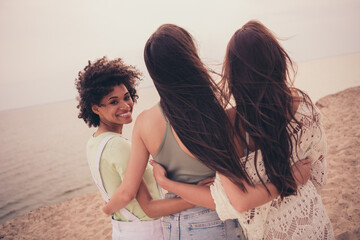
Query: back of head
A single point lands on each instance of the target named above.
(255, 61)
(188, 97)
(172, 61)
(256, 69)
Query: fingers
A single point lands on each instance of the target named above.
(301, 171)
(104, 211)
(207, 181)
(305, 161)
(154, 163)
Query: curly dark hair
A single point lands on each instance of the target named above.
(98, 79)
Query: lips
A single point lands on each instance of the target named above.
(125, 115)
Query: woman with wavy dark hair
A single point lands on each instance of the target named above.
(186, 128)
(188, 132)
(276, 125)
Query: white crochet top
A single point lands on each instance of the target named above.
(295, 217)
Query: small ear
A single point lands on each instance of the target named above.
(95, 109)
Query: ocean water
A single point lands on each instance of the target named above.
(42, 148)
(42, 158)
(43, 154)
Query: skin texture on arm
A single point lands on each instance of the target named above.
(161, 207)
(257, 195)
(242, 201)
(134, 173)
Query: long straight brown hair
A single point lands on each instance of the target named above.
(189, 99)
(258, 73)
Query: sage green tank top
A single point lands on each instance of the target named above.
(180, 167)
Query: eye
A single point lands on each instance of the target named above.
(114, 102)
(127, 97)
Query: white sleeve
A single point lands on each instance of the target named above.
(223, 206)
(317, 155)
(313, 146)
(252, 221)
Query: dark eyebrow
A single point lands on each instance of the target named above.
(112, 98)
(115, 97)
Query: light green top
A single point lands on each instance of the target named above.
(113, 164)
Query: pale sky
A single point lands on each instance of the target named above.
(45, 43)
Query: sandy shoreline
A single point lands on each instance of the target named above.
(81, 218)
(341, 195)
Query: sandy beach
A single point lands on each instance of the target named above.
(81, 217)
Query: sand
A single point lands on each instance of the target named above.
(77, 218)
(341, 195)
(81, 217)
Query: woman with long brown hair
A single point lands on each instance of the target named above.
(276, 125)
(186, 128)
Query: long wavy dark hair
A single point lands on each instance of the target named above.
(258, 73)
(189, 99)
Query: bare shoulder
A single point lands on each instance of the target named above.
(147, 116)
(150, 127)
(150, 120)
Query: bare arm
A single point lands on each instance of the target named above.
(201, 195)
(242, 201)
(134, 172)
(161, 207)
(196, 194)
(257, 195)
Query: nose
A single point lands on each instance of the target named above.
(125, 106)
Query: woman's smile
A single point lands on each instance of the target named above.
(124, 115)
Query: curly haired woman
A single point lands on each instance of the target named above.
(106, 98)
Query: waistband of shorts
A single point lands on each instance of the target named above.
(188, 213)
(143, 225)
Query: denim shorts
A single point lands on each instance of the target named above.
(144, 230)
(200, 223)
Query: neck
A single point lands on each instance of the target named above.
(103, 127)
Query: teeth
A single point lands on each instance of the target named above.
(128, 114)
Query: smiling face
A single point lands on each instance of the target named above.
(115, 109)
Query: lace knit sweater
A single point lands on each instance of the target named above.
(295, 217)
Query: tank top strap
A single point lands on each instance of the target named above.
(247, 138)
(167, 131)
(162, 113)
(128, 215)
